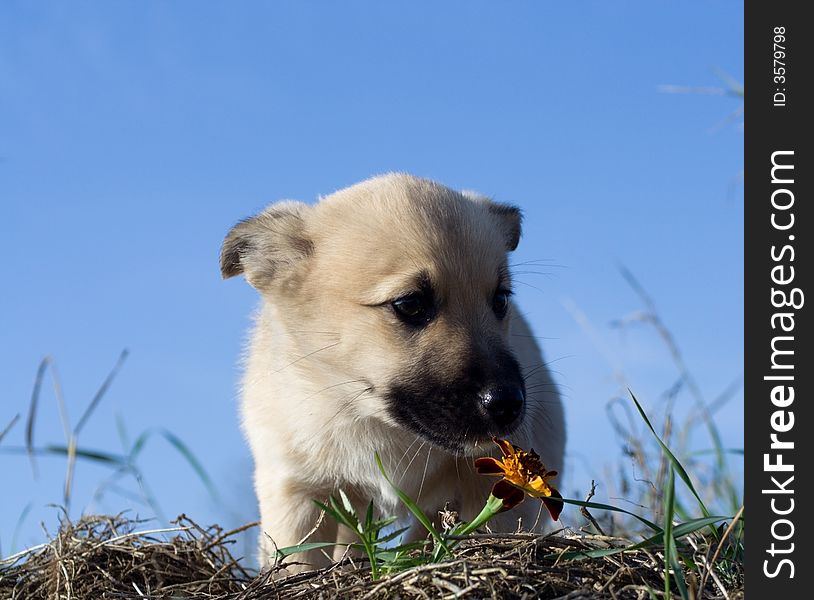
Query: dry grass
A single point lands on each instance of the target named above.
(106, 557)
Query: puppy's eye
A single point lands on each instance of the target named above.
(413, 309)
(500, 303)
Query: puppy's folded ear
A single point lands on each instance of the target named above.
(510, 219)
(268, 246)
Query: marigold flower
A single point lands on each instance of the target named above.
(523, 473)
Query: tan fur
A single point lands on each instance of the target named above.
(326, 344)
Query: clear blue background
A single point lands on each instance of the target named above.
(133, 135)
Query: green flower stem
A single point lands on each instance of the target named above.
(492, 507)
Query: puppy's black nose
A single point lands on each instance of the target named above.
(503, 403)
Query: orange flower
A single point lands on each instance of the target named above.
(522, 473)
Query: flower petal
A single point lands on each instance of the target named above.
(489, 466)
(516, 477)
(510, 495)
(554, 504)
(505, 446)
(538, 487)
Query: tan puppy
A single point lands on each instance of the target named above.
(386, 325)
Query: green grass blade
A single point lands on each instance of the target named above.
(391, 558)
(409, 546)
(328, 510)
(679, 468)
(121, 430)
(139, 444)
(337, 513)
(391, 536)
(670, 548)
(92, 455)
(677, 571)
(19, 526)
(101, 392)
(402, 563)
(382, 523)
(346, 503)
(601, 506)
(336, 516)
(289, 550)
(182, 449)
(32, 413)
(669, 507)
(346, 518)
(9, 427)
(708, 451)
(679, 531)
(366, 536)
(369, 524)
(413, 508)
(193, 461)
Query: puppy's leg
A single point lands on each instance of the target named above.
(287, 515)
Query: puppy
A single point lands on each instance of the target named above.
(386, 326)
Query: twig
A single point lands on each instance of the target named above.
(405, 575)
(320, 519)
(584, 509)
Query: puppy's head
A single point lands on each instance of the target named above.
(411, 279)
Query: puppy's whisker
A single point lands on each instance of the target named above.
(529, 285)
(545, 273)
(541, 387)
(424, 475)
(405, 453)
(538, 383)
(332, 386)
(542, 419)
(309, 355)
(407, 468)
(547, 262)
(469, 463)
(549, 397)
(312, 331)
(546, 364)
(534, 337)
(529, 372)
(346, 405)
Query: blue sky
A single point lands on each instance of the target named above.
(133, 135)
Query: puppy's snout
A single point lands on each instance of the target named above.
(503, 403)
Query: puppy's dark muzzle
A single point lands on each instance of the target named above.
(502, 404)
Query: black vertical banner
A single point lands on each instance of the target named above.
(779, 432)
